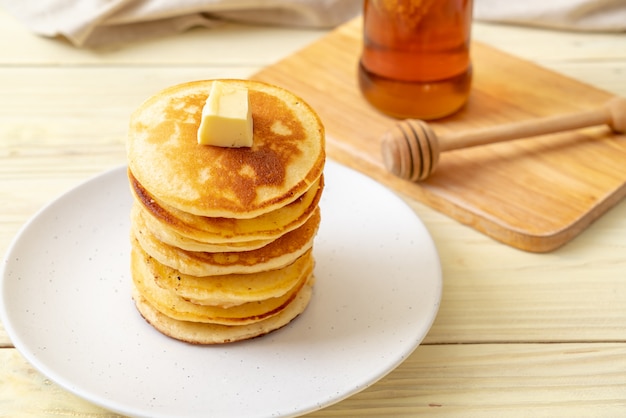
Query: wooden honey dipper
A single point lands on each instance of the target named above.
(411, 149)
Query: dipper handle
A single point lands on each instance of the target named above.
(411, 149)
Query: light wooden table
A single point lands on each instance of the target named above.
(517, 334)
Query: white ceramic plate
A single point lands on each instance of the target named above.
(66, 305)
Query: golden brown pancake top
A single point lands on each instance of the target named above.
(287, 155)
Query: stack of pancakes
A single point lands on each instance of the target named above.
(222, 237)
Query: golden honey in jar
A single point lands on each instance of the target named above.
(415, 61)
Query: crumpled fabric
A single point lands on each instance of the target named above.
(574, 15)
(93, 23)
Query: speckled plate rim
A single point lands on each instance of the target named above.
(65, 303)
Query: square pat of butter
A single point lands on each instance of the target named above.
(226, 117)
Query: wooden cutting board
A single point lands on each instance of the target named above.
(533, 194)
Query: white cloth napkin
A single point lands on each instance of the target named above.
(582, 15)
(92, 23)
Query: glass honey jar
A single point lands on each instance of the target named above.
(416, 61)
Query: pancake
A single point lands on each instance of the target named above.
(203, 333)
(279, 253)
(174, 306)
(226, 290)
(143, 221)
(227, 230)
(286, 158)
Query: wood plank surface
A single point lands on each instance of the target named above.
(51, 144)
(518, 333)
(485, 380)
(536, 194)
